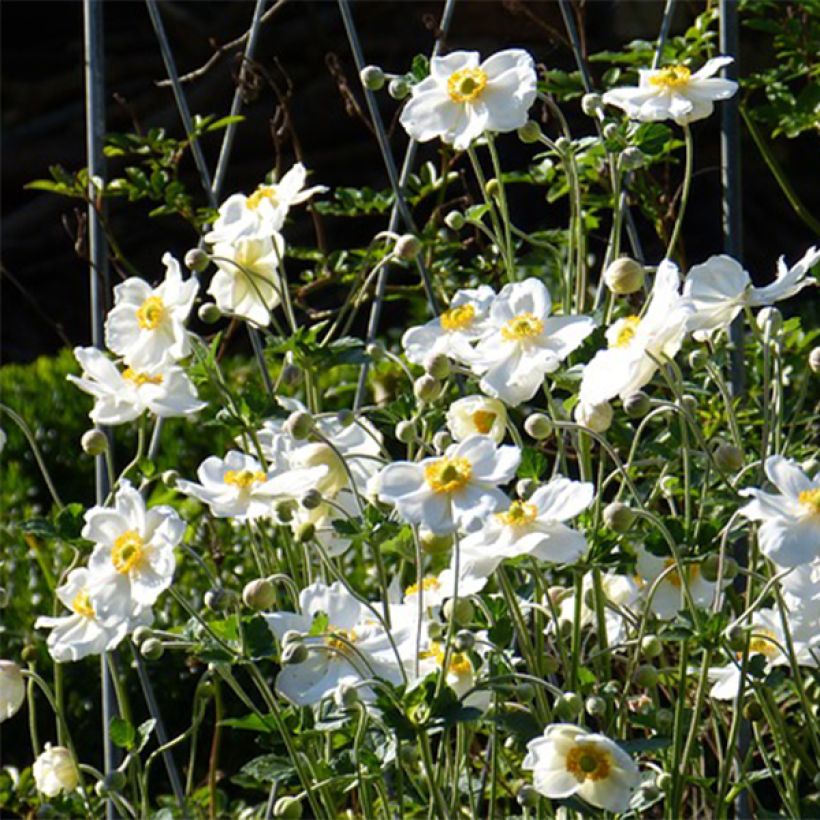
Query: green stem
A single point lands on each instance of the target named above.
(684, 199)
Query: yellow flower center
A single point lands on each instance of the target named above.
(763, 642)
(150, 313)
(457, 318)
(627, 332)
(128, 551)
(338, 644)
(261, 193)
(82, 604)
(692, 573)
(459, 663)
(519, 514)
(429, 584)
(139, 379)
(810, 501)
(466, 84)
(588, 762)
(483, 421)
(448, 475)
(673, 76)
(523, 326)
(243, 478)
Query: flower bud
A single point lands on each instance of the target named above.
(289, 808)
(562, 145)
(460, 610)
(524, 691)
(651, 646)
(646, 676)
(592, 104)
(12, 689)
(442, 440)
(737, 637)
(405, 431)
(407, 246)
(214, 599)
(729, 458)
(293, 653)
(618, 517)
(152, 649)
(597, 417)
(169, 478)
(538, 426)
(698, 359)
(141, 635)
(94, 442)
(291, 375)
(435, 630)
(492, 187)
(454, 220)
(426, 388)
(632, 158)
(527, 796)
(636, 405)
(259, 594)
(292, 636)
(372, 78)
(753, 711)
(311, 499)
(284, 510)
(209, 313)
(196, 260)
(525, 487)
(375, 351)
(529, 132)
(814, 360)
(55, 771)
(664, 781)
(624, 276)
(595, 706)
(610, 131)
(434, 544)
(29, 653)
(770, 321)
(464, 640)
(346, 417)
(437, 365)
(298, 424)
(113, 782)
(569, 705)
(346, 696)
(398, 88)
(688, 403)
(305, 532)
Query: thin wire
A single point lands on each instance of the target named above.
(668, 13)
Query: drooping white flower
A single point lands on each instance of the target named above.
(674, 93)
(453, 332)
(12, 689)
(789, 532)
(569, 760)
(237, 486)
(477, 415)
(789, 281)
(124, 395)
(637, 341)
(263, 213)
(55, 771)
(146, 326)
(248, 283)
(668, 598)
(463, 97)
(454, 491)
(523, 343)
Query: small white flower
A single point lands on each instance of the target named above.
(55, 771)
(668, 598)
(595, 417)
(789, 281)
(636, 342)
(674, 92)
(124, 395)
(146, 326)
(477, 415)
(248, 283)
(523, 343)
(455, 491)
(12, 689)
(789, 532)
(461, 99)
(461, 674)
(569, 760)
(263, 213)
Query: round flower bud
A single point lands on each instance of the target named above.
(311, 499)
(527, 796)
(434, 544)
(305, 532)
(372, 77)
(346, 696)
(292, 636)
(289, 808)
(688, 403)
(12, 689)
(55, 771)
(618, 517)
(196, 260)
(730, 568)
(293, 653)
(291, 375)
(214, 599)
(346, 417)
(284, 510)
(569, 705)
(524, 691)
(664, 781)
(729, 458)
(454, 220)
(405, 431)
(94, 442)
(636, 405)
(529, 132)
(29, 653)
(437, 365)
(152, 649)
(375, 351)
(709, 568)
(597, 417)
(814, 360)
(632, 158)
(492, 187)
(770, 320)
(646, 676)
(562, 145)
(460, 610)
(298, 424)
(407, 246)
(610, 131)
(651, 646)
(442, 440)
(612, 689)
(592, 104)
(169, 478)
(426, 388)
(525, 487)
(259, 594)
(624, 276)
(398, 88)
(435, 630)
(753, 711)
(595, 706)
(737, 637)
(114, 781)
(698, 359)
(538, 426)
(464, 640)
(141, 635)
(209, 313)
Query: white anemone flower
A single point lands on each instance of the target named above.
(674, 93)
(83, 632)
(248, 283)
(12, 689)
(454, 491)
(801, 593)
(55, 771)
(124, 395)
(461, 674)
(263, 213)
(322, 517)
(523, 343)
(477, 415)
(453, 332)
(789, 532)
(669, 597)
(462, 98)
(353, 644)
(237, 486)
(146, 326)
(636, 342)
(568, 760)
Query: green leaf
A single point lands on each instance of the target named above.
(251, 723)
(122, 733)
(224, 122)
(268, 768)
(320, 624)
(144, 733)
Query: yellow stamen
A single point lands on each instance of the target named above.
(763, 642)
(519, 514)
(457, 318)
(483, 421)
(523, 326)
(429, 584)
(243, 478)
(627, 332)
(82, 604)
(150, 313)
(588, 762)
(261, 193)
(692, 573)
(673, 76)
(139, 379)
(338, 644)
(810, 501)
(128, 551)
(459, 663)
(466, 84)
(448, 475)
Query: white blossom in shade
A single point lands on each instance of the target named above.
(568, 760)
(454, 491)
(263, 213)
(789, 532)
(146, 326)
(322, 517)
(453, 333)
(789, 280)
(121, 396)
(477, 415)
(83, 632)
(462, 98)
(12, 689)
(674, 93)
(522, 343)
(55, 771)
(247, 283)
(353, 644)
(636, 343)
(668, 598)
(801, 593)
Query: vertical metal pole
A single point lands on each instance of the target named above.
(98, 281)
